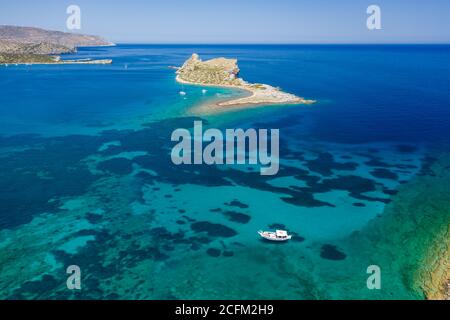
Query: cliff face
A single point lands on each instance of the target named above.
(27, 40)
(218, 71)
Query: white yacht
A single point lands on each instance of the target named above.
(182, 92)
(278, 235)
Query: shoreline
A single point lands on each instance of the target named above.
(100, 61)
(255, 98)
(436, 279)
(410, 240)
(433, 275)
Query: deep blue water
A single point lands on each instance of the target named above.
(365, 93)
(86, 177)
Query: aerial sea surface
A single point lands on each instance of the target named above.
(86, 177)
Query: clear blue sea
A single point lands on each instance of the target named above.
(86, 176)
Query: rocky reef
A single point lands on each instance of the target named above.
(412, 237)
(225, 73)
(436, 276)
(433, 274)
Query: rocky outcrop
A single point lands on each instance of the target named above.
(218, 71)
(225, 72)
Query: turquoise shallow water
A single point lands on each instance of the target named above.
(87, 179)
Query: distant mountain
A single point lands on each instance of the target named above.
(28, 40)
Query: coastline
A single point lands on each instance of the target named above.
(100, 163)
(433, 275)
(411, 237)
(101, 61)
(224, 73)
(436, 276)
(36, 46)
(252, 99)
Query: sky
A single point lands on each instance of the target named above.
(240, 21)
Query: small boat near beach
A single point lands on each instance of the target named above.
(278, 235)
(182, 92)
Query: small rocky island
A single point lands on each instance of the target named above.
(224, 72)
(26, 45)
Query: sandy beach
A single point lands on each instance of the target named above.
(222, 73)
(254, 97)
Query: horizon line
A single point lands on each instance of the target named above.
(279, 43)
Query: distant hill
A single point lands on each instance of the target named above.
(28, 40)
(41, 48)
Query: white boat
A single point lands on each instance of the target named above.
(204, 91)
(182, 92)
(278, 235)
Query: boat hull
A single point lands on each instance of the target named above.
(273, 237)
